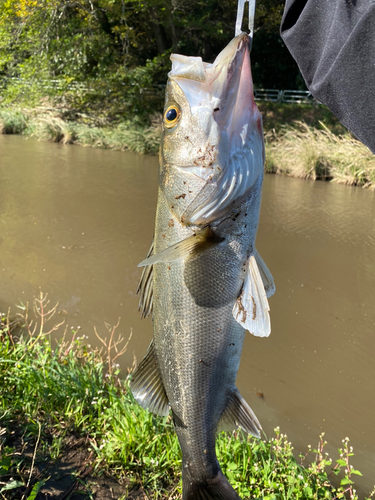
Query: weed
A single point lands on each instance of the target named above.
(12, 122)
(113, 344)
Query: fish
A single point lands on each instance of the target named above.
(203, 280)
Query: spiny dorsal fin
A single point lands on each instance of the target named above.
(198, 242)
(147, 386)
(145, 288)
(267, 278)
(239, 414)
(251, 309)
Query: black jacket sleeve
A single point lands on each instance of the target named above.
(333, 43)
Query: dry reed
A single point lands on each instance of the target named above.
(311, 153)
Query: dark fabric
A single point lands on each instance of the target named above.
(333, 43)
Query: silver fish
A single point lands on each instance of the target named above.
(203, 279)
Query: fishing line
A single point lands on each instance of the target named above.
(240, 11)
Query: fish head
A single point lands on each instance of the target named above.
(212, 133)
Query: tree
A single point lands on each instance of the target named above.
(120, 44)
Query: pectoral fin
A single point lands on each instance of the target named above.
(239, 414)
(251, 309)
(198, 242)
(145, 288)
(147, 386)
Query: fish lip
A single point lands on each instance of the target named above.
(231, 72)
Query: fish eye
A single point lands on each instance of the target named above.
(171, 116)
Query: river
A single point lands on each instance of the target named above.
(75, 223)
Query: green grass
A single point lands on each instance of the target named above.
(50, 392)
(12, 122)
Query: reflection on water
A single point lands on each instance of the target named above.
(77, 221)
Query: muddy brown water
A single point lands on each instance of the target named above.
(76, 222)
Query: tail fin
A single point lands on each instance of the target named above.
(217, 488)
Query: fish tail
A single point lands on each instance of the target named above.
(217, 488)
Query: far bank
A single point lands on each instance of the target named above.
(302, 140)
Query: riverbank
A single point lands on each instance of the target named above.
(69, 426)
(69, 127)
(302, 140)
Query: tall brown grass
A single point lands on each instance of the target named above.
(307, 152)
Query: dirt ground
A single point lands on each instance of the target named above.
(71, 477)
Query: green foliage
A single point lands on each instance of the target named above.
(71, 388)
(121, 48)
(278, 115)
(12, 122)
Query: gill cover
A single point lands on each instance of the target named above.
(223, 124)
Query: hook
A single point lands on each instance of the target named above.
(240, 10)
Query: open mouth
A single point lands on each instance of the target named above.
(217, 84)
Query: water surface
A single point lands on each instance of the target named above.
(75, 222)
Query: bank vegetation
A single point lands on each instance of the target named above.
(67, 127)
(319, 154)
(69, 425)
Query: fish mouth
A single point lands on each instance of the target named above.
(232, 84)
(220, 84)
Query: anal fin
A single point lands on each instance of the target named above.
(145, 288)
(251, 309)
(239, 414)
(147, 386)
